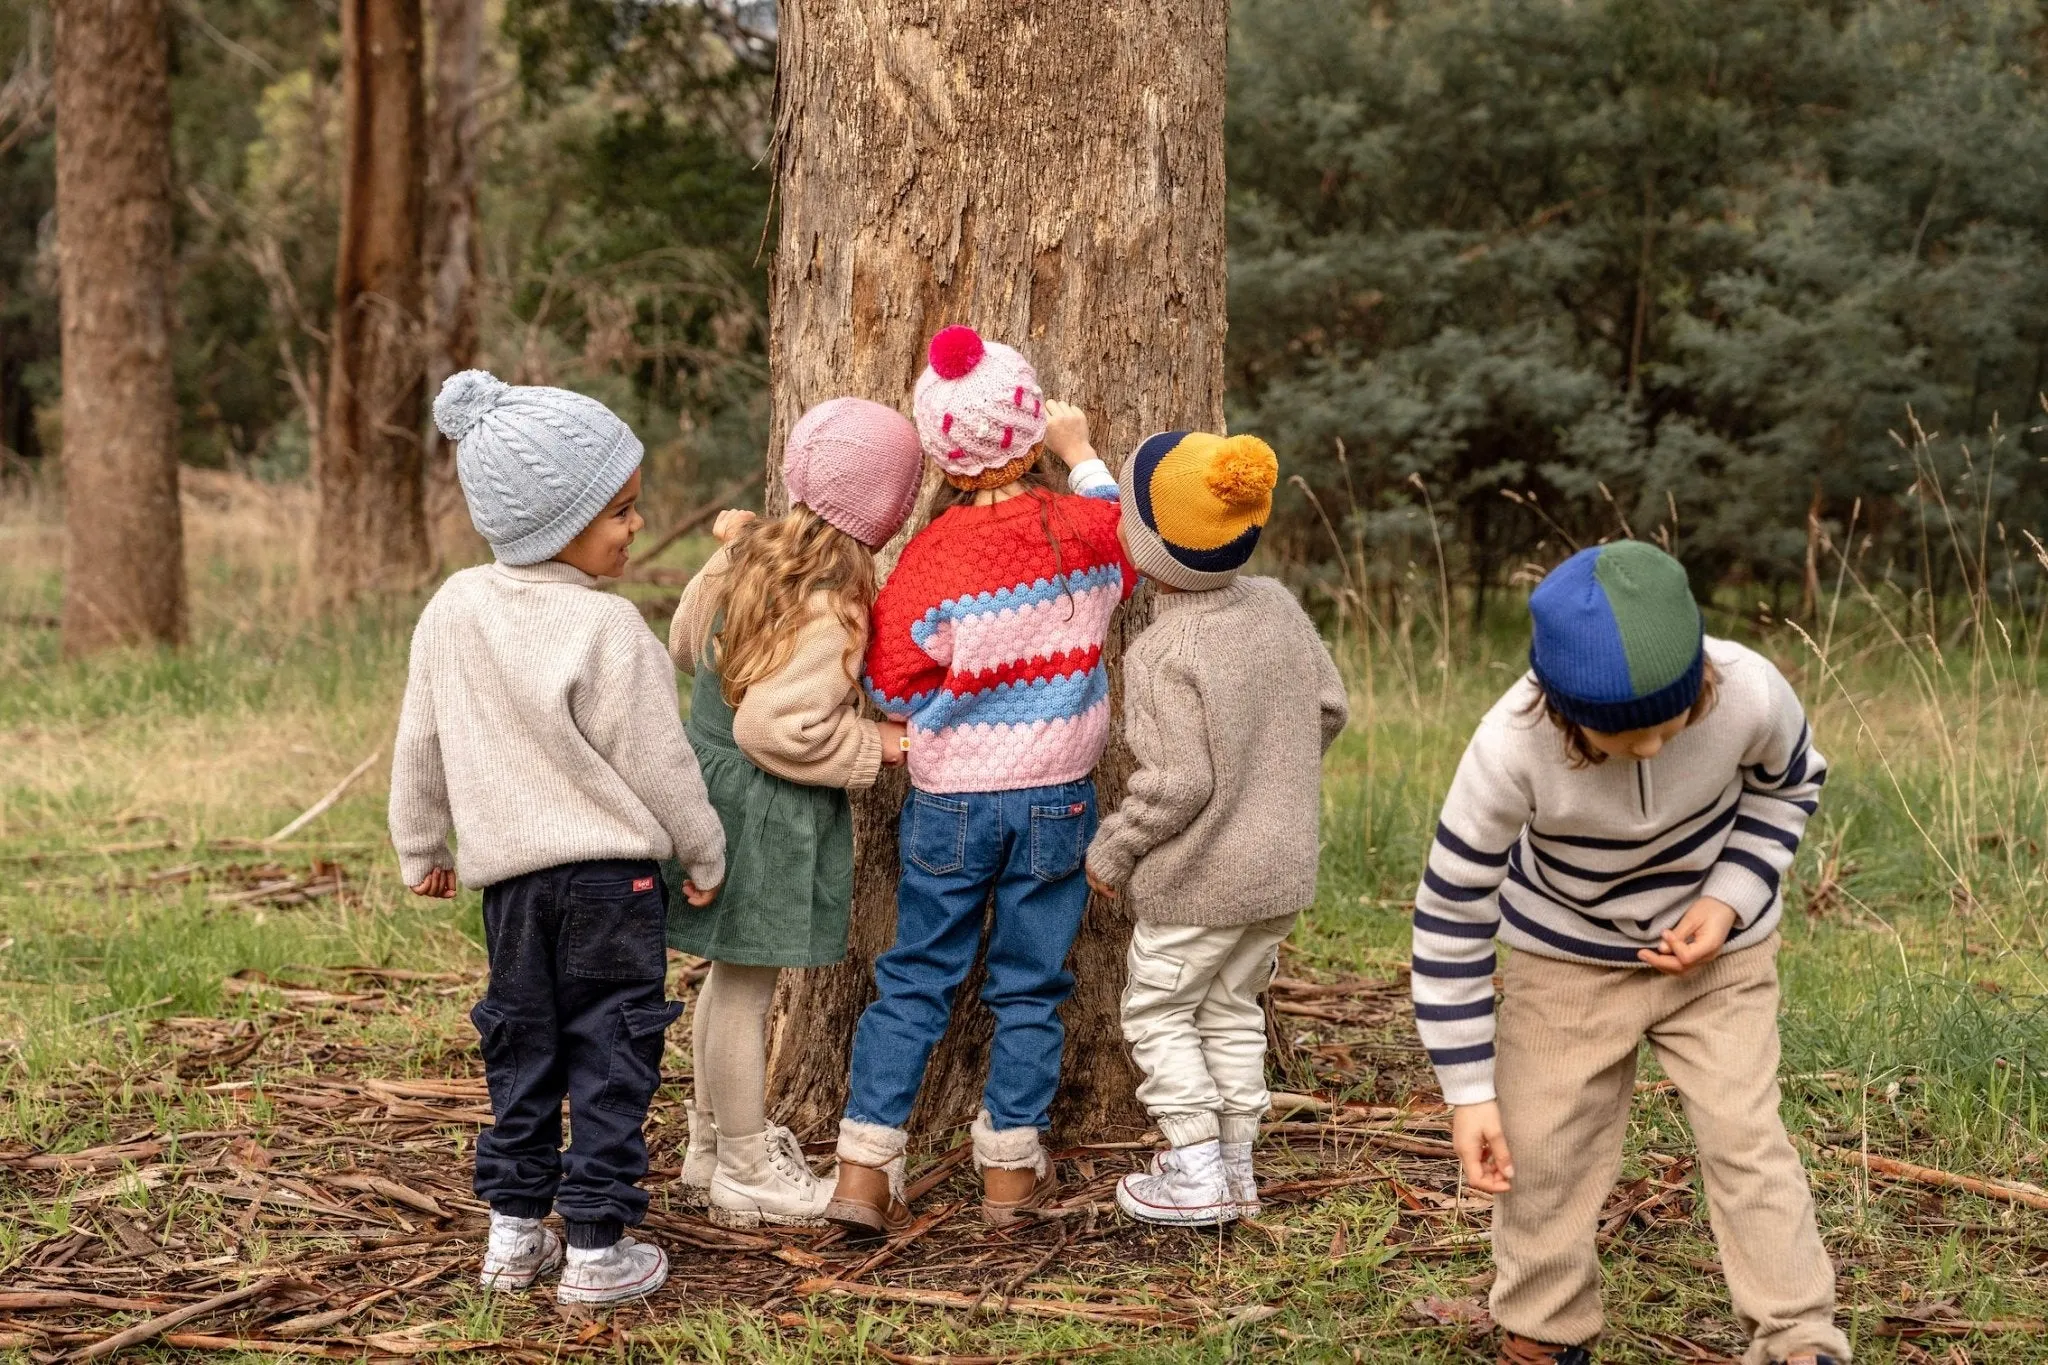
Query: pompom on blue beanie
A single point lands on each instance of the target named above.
(537, 465)
(1618, 643)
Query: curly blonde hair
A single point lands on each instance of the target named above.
(773, 568)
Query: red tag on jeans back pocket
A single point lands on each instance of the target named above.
(1077, 808)
(644, 884)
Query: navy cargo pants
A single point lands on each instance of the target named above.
(576, 1008)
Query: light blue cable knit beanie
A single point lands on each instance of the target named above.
(537, 465)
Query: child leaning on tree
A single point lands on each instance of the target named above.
(774, 628)
(1230, 700)
(1623, 819)
(987, 643)
(540, 727)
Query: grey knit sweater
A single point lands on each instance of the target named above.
(1230, 699)
(541, 727)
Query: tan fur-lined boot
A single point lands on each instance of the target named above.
(867, 1198)
(1016, 1173)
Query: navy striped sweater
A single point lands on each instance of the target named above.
(1592, 864)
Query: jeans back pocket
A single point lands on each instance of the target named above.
(935, 833)
(1059, 836)
(616, 929)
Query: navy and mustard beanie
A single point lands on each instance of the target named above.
(1194, 505)
(1618, 641)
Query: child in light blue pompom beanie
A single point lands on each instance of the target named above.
(541, 729)
(537, 464)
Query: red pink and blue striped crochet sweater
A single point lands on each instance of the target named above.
(988, 644)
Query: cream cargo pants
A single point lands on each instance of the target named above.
(1192, 1017)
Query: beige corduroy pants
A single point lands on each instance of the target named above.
(1565, 1073)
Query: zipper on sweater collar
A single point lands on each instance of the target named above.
(1646, 791)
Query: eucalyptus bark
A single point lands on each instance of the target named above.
(1050, 173)
(124, 567)
(371, 528)
(451, 247)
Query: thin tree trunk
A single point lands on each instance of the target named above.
(371, 529)
(1051, 173)
(451, 248)
(124, 568)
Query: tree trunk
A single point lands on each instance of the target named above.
(371, 530)
(124, 567)
(1052, 174)
(451, 247)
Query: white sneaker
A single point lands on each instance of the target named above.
(765, 1179)
(627, 1269)
(1237, 1171)
(1187, 1186)
(520, 1252)
(700, 1158)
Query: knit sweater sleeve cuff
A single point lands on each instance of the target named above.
(1110, 859)
(414, 867)
(1469, 1083)
(1741, 888)
(867, 757)
(708, 874)
(1092, 479)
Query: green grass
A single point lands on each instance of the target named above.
(1916, 1017)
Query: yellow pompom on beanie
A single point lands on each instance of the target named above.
(1194, 505)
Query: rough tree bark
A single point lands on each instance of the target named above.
(124, 567)
(1052, 174)
(371, 528)
(451, 246)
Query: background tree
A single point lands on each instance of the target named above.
(124, 570)
(368, 467)
(1053, 175)
(452, 247)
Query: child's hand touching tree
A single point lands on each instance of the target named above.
(1066, 433)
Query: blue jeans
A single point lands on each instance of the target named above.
(1026, 846)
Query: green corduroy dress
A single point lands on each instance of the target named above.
(788, 855)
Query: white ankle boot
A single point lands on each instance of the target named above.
(627, 1269)
(765, 1179)
(700, 1158)
(1187, 1186)
(1237, 1171)
(520, 1252)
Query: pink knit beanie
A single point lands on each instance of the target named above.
(854, 463)
(978, 405)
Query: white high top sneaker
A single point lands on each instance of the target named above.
(1187, 1187)
(765, 1179)
(1237, 1170)
(627, 1269)
(700, 1157)
(520, 1251)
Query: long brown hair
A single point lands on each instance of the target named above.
(1579, 751)
(773, 569)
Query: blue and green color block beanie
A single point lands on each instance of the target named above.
(1618, 641)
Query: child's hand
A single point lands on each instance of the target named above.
(1101, 887)
(729, 523)
(697, 895)
(440, 884)
(1695, 939)
(894, 732)
(1482, 1147)
(1066, 433)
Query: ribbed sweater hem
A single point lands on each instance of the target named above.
(1742, 939)
(944, 784)
(1290, 900)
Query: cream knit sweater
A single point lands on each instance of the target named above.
(1230, 699)
(541, 727)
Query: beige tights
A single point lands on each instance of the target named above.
(729, 1043)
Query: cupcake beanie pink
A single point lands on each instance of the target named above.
(978, 406)
(856, 464)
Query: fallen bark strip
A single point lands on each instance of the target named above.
(41, 1300)
(929, 1178)
(1921, 1327)
(2031, 1196)
(201, 1341)
(390, 1189)
(1133, 1315)
(157, 1326)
